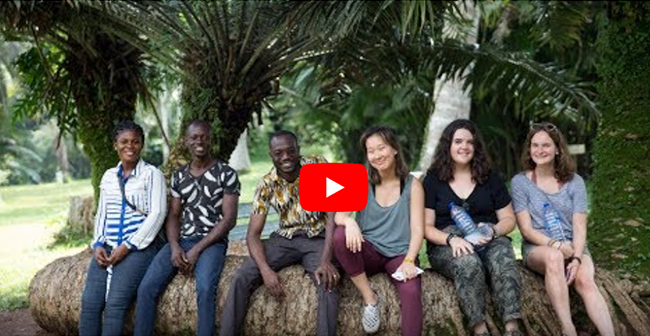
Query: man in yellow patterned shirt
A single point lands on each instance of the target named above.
(304, 237)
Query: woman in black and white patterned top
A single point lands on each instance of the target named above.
(550, 203)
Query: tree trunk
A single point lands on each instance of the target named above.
(81, 213)
(55, 294)
(620, 214)
(61, 153)
(239, 159)
(105, 88)
(451, 100)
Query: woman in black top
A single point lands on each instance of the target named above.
(460, 174)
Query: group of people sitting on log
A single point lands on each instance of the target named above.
(385, 237)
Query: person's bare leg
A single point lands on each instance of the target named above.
(363, 285)
(593, 299)
(550, 262)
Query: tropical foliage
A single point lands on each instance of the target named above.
(77, 71)
(17, 159)
(401, 52)
(621, 206)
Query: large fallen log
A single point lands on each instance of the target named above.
(55, 294)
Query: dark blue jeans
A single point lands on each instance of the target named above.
(123, 288)
(207, 272)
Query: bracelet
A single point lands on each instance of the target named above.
(495, 234)
(409, 261)
(451, 235)
(551, 242)
(575, 258)
(560, 246)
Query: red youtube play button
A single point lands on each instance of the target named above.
(333, 187)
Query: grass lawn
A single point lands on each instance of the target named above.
(29, 215)
(250, 179)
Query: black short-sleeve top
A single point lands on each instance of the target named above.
(481, 204)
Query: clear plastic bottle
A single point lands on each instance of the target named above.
(552, 223)
(466, 224)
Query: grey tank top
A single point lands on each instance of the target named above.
(388, 229)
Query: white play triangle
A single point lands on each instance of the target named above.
(332, 187)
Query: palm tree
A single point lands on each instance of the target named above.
(451, 96)
(78, 71)
(374, 45)
(562, 33)
(230, 57)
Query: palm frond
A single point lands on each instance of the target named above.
(559, 23)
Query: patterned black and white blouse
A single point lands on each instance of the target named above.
(202, 196)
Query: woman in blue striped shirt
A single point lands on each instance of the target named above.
(131, 209)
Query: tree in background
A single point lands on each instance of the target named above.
(18, 161)
(386, 48)
(620, 183)
(77, 71)
(557, 33)
(229, 55)
(451, 94)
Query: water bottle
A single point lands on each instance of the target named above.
(552, 223)
(466, 224)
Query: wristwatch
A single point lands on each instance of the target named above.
(495, 234)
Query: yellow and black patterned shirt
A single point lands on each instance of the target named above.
(275, 191)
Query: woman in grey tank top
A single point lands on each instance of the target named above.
(550, 202)
(387, 235)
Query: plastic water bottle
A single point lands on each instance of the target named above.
(552, 223)
(466, 224)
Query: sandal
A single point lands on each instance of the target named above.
(370, 318)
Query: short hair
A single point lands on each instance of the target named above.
(281, 133)
(442, 165)
(564, 164)
(127, 125)
(389, 135)
(199, 123)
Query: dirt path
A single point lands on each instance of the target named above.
(20, 323)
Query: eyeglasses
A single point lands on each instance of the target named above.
(545, 126)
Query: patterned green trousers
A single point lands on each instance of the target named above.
(494, 263)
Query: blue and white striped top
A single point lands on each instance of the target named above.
(115, 222)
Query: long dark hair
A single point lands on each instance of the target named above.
(442, 164)
(389, 136)
(564, 164)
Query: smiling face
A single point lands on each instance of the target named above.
(128, 145)
(462, 147)
(285, 153)
(542, 148)
(379, 153)
(198, 140)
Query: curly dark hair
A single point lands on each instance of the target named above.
(389, 136)
(564, 163)
(128, 125)
(443, 166)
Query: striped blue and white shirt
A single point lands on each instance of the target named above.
(115, 222)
